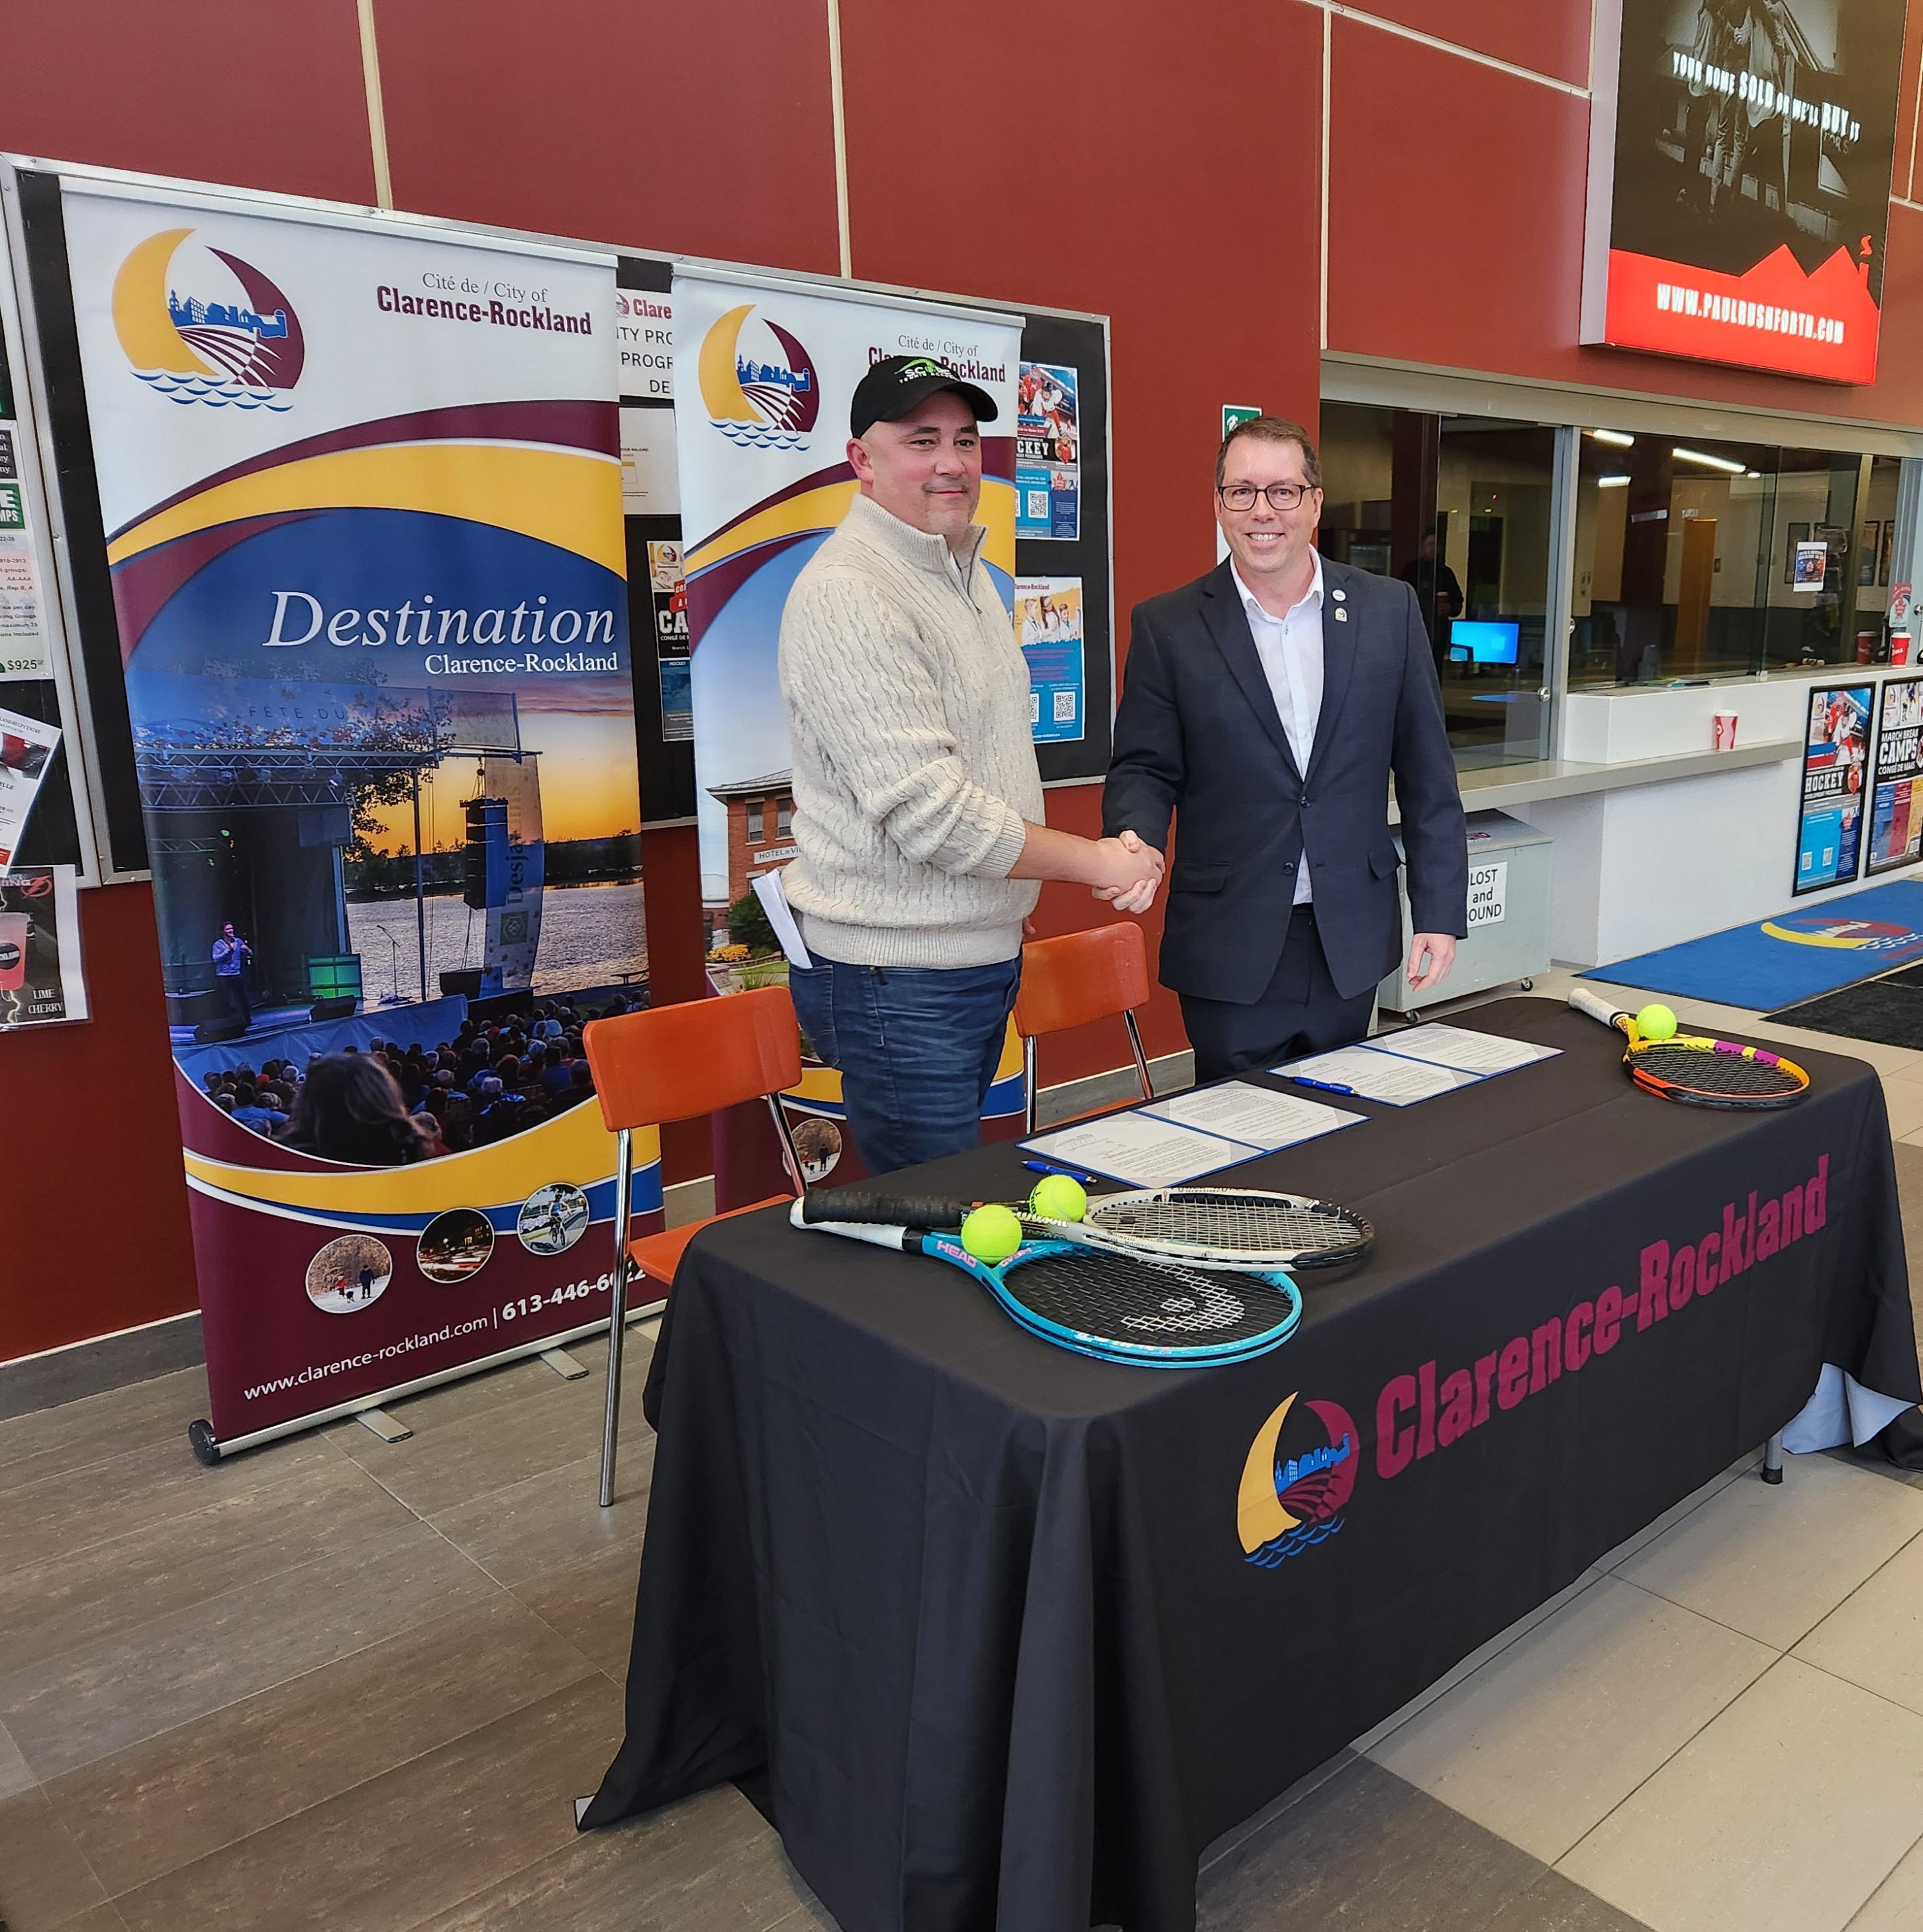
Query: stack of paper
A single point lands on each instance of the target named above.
(1167, 1142)
(1417, 1063)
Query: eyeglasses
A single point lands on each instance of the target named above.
(1281, 496)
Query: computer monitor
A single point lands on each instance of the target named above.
(1488, 642)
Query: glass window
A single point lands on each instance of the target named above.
(756, 820)
(784, 818)
(1462, 509)
(1703, 558)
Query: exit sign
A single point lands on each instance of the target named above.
(1235, 414)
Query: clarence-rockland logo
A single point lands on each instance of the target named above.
(1297, 1481)
(758, 386)
(201, 326)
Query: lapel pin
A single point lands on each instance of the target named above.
(1339, 595)
(1342, 616)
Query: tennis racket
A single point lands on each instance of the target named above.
(1696, 1071)
(1116, 1307)
(1204, 1227)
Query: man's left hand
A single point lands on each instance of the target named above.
(1441, 951)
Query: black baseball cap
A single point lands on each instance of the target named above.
(896, 384)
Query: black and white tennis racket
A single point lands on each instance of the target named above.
(1204, 1227)
(1116, 1307)
(1697, 1071)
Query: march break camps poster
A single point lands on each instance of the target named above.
(1739, 174)
(362, 488)
(1896, 796)
(1835, 749)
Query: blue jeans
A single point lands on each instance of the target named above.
(917, 1048)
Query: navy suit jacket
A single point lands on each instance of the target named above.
(1197, 737)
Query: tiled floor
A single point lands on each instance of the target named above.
(352, 1685)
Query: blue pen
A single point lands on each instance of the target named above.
(1321, 1086)
(1057, 1167)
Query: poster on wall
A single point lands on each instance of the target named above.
(363, 490)
(27, 747)
(1836, 748)
(41, 983)
(1740, 154)
(22, 618)
(667, 591)
(1048, 443)
(764, 378)
(1896, 792)
(1049, 621)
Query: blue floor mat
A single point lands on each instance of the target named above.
(1793, 956)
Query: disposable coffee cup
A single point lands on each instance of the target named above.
(14, 927)
(1725, 738)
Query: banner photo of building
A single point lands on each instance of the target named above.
(1739, 178)
(361, 487)
(765, 374)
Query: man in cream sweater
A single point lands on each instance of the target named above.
(917, 803)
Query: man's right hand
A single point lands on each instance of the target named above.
(1128, 872)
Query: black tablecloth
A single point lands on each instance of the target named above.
(1012, 1631)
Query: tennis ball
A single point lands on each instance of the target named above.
(1058, 1197)
(1656, 1022)
(991, 1233)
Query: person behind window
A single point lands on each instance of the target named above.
(1439, 591)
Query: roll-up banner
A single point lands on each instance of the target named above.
(362, 488)
(1740, 154)
(765, 372)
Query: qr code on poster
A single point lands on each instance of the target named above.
(1065, 705)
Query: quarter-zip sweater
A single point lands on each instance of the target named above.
(914, 769)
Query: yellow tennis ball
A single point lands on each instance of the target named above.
(1656, 1022)
(1058, 1197)
(992, 1233)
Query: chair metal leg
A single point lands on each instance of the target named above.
(617, 1327)
(1772, 1459)
(1141, 1058)
(1031, 1063)
(791, 1154)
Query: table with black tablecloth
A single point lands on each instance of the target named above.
(1015, 1634)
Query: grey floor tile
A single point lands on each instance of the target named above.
(709, 1864)
(239, 1538)
(159, 1805)
(455, 1457)
(394, 1851)
(87, 1703)
(592, 1604)
(555, 1518)
(15, 1775)
(1615, 1559)
(1221, 1847)
(110, 1362)
(1782, 1815)
(1774, 1562)
(1896, 1904)
(44, 1882)
(1364, 1850)
(151, 1415)
(1554, 1904)
(55, 1514)
(1875, 1636)
(1546, 1738)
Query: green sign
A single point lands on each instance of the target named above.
(1234, 415)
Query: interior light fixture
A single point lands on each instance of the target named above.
(1751, 475)
(1615, 436)
(1612, 482)
(1721, 462)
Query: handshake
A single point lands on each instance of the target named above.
(1126, 872)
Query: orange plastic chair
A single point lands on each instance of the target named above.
(1080, 977)
(674, 1064)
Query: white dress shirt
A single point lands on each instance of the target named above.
(1291, 651)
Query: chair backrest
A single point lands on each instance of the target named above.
(1081, 976)
(674, 1063)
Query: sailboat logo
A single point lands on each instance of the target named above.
(760, 388)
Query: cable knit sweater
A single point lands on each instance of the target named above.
(908, 709)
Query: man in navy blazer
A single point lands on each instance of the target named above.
(1266, 706)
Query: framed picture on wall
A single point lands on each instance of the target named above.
(1799, 533)
(1866, 557)
(1883, 551)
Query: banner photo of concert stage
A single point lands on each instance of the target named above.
(361, 487)
(1740, 154)
(764, 376)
